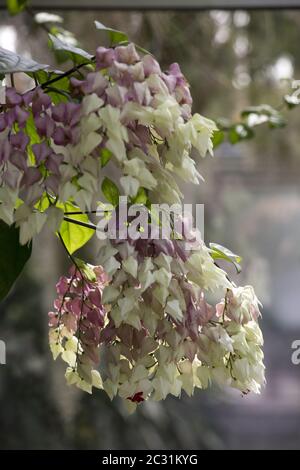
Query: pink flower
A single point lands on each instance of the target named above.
(19, 140)
(12, 97)
(41, 152)
(45, 126)
(21, 116)
(104, 57)
(127, 54)
(31, 176)
(151, 66)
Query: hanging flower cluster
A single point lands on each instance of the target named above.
(127, 107)
(142, 314)
(158, 335)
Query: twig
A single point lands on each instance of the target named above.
(225, 305)
(65, 74)
(82, 224)
(81, 212)
(70, 255)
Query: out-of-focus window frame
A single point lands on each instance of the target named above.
(160, 4)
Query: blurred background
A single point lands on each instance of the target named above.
(252, 206)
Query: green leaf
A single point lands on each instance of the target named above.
(105, 157)
(34, 137)
(57, 95)
(74, 53)
(66, 40)
(15, 6)
(13, 257)
(115, 36)
(10, 62)
(141, 197)
(43, 204)
(40, 76)
(218, 138)
(31, 130)
(110, 191)
(74, 236)
(220, 252)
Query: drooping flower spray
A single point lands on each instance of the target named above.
(138, 325)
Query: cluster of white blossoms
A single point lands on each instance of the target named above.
(140, 327)
(153, 333)
(162, 335)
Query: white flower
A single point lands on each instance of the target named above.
(116, 132)
(137, 169)
(130, 185)
(204, 273)
(220, 335)
(199, 131)
(130, 265)
(91, 103)
(163, 277)
(242, 305)
(8, 198)
(30, 222)
(204, 376)
(161, 294)
(96, 379)
(110, 294)
(187, 171)
(174, 310)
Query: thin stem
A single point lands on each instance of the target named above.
(79, 325)
(225, 305)
(81, 213)
(43, 26)
(63, 301)
(65, 74)
(229, 363)
(70, 255)
(60, 92)
(82, 224)
(35, 80)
